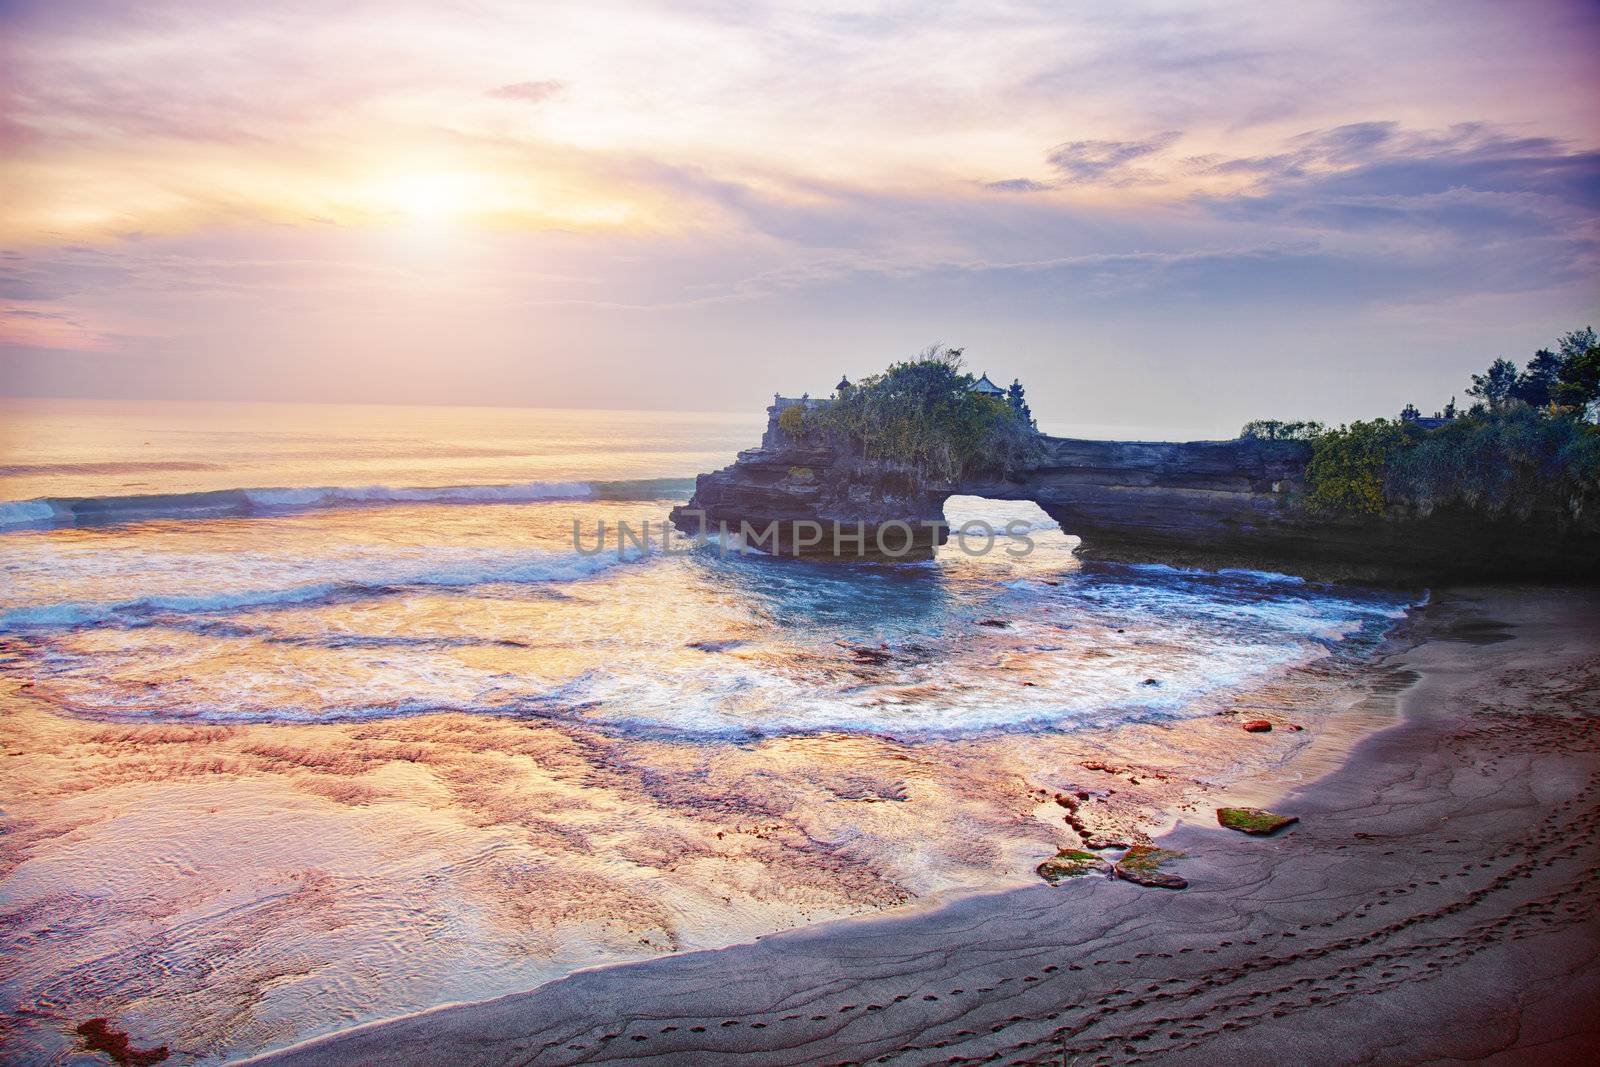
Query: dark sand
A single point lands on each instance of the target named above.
(1436, 903)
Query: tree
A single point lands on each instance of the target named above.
(923, 413)
(1277, 430)
(1494, 385)
(1534, 385)
(1409, 413)
(1578, 379)
(1017, 398)
(1575, 343)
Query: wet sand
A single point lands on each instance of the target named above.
(1438, 901)
(227, 889)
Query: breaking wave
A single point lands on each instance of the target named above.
(46, 512)
(520, 569)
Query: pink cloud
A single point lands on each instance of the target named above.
(535, 92)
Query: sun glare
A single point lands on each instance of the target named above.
(431, 197)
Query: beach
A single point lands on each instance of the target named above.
(317, 716)
(1435, 903)
(308, 730)
(760, 534)
(225, 888)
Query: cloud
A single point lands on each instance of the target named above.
(1526, 203)
(534, 92)
(32, 313)
(46, 328)
(1469, 212)
(1105, 162)
(307, 185)
(1018, 185)
(1384, 159)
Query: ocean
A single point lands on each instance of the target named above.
(317, 713)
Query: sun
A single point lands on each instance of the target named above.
(430, 197)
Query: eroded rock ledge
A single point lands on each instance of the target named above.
(1201, 502)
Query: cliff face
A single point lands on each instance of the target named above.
(1203, 502)
(817, 497)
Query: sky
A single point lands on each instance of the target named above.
(1164, 218)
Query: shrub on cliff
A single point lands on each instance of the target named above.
(923, 413)
(1524, 449)
(1508, 463)
(1348, 466)
(793, 421)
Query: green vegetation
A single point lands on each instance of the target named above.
(922, 413)
(793, 421)
(1143, 865)
(1576, 378)
(1017, 398)
(1524, 448)
(1146, 858)
(1070, 863)
(1347, 467)
(1494, 385)
(1507, 463)
(1253, 820)
(1568, 376)
(1273, 430)
(1512, 463)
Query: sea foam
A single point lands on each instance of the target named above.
(242, 503)
(15, 513)
(374, 579)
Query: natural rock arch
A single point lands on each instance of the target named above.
(1203, 502)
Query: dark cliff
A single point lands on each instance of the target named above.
(1203, 502)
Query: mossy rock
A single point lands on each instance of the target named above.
(1070, 863)
(1142, 865)
(802, 474)
(1253, 820)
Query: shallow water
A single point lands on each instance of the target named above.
(319, 714)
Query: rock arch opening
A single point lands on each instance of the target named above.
(1002, 526)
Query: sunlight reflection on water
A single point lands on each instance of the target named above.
(278, 772)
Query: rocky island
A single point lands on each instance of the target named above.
(810, 489)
